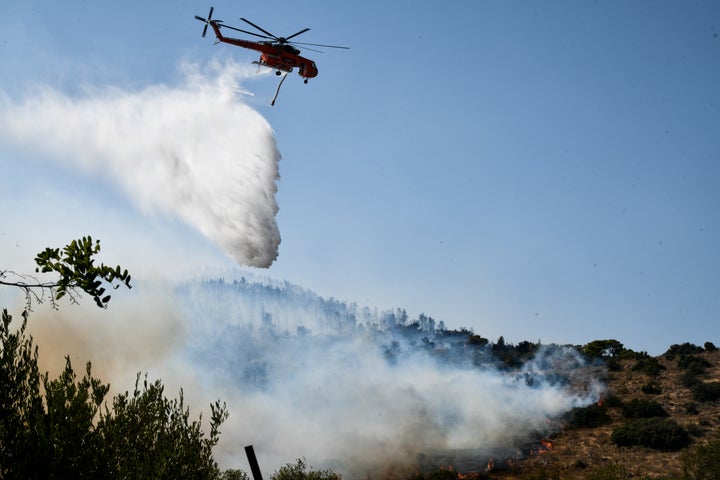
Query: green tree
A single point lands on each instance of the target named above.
(300, 471)
(75, 265)
(60, 431)
(146, 435)
(20, 400)
(603, 349)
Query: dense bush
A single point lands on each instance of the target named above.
(643, 408)
(693, 364)
(591, 416)
(689, 379)
(651, 388)
(610, 471)
(706, 391)
(684, 349)
(657, 433)
(710, 347)
(702, 462)
(691, 408)
(686, 360)
(649, 366)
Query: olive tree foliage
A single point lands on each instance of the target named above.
(301, 471)
(62, 427)
(76, 267)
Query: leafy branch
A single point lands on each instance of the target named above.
(76, 266)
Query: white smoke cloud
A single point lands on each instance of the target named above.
(304, 377)
(194, 151)
(313, 378)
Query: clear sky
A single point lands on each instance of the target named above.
(538, 170)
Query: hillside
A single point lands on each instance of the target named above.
(574, 453)
(282, 327)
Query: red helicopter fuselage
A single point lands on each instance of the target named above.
(281, 57)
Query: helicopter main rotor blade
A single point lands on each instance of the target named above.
(296, 34)
(261, 29)
(249, 33)
(319, 45)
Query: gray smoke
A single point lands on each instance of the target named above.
(347, 387)
(194, 151)
(362, 391)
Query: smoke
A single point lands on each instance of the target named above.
(194, 151)
(346, 387)
(361, 391)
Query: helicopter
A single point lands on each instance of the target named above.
(278, 53)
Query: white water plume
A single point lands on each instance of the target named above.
(195, 151)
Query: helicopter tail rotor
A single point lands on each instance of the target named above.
(206, 20)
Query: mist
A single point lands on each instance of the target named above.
(193, 151)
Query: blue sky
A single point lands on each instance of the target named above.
(534, 170)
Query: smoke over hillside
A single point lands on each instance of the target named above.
(347, 387)
(359, 390)
(193, 151)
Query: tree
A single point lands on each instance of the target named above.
(59, 431)
(20, 398)
(603, 349)
(76, 268)
(146, 435)
(300, 471)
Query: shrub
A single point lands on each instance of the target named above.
(591, 416)
(651, 388)
(693, 363)
(610, 471)
(649, 366)
(710, 347)
(691, 408)
(702, 462)
(657, 433)
(706, 391)
(300, 471)
(613, 364)
(684, 349)
(643, 408)
(234, 474)
(689, 379)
